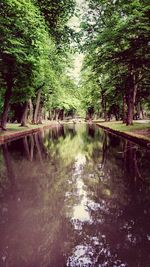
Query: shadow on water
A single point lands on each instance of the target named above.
(74, 196)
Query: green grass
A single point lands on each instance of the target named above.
(15, 127)
(122, 127)
(140, 130)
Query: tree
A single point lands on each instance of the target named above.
(56, 14)
(117, 35)
(24, 44)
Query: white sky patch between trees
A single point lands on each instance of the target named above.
(74, 23)
(77, 66)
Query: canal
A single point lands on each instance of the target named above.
(74, 196)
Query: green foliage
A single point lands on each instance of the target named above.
(117, 42)
(31, 35)
(65, 96)
(57, 14)
(90, 93)
(34, 54)
(25, 45)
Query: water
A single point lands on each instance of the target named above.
(74, 196)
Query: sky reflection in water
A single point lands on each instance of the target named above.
(74, 196)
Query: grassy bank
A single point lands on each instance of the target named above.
(14, 130)
(139, 130)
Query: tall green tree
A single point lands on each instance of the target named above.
(56, 14)
(24, 44)
(118, 35)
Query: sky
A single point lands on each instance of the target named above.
(74, 23)
(78, 60)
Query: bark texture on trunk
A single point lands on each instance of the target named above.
(131, 96)
(35, 117)
(30, 118)
(130, 108)
(56, 114)
(50, 115)
(104, 106)
(61, 115)
(24, 114)
(7, 97)
(124, 109)
(39, 116)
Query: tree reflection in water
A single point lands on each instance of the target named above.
(74, 196)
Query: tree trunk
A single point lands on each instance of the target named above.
(53, 114)
(61, 115)
(130, 109)
(140, 111)
(30, 118)
(24, 114)
(49, 115)
(131, 98)
(56, 114)
(124, 109)
(39, 117)
(7, 97)
(104, 106)
(131, 103)
(35, 118)
(44, 114)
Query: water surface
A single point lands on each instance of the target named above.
(74, 196)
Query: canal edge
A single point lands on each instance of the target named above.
(16, 135)
(139, 140)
